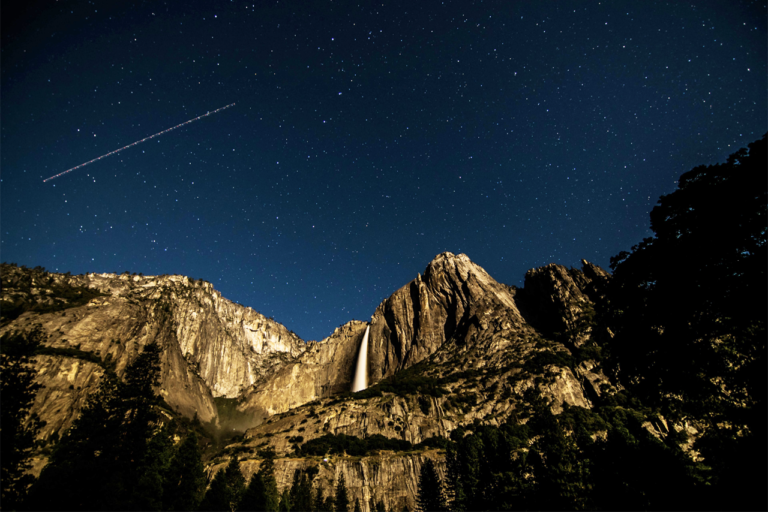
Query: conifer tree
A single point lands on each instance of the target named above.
(341, 503)
(17, 389)
(430, 497)
(329, 505)
(270, 486)
(464, 473)
(108, 446)
(185, 478)
(261, 494)
(318, 500)
(688, 310)
(285, 501)
(357, 506)
(148, 493)
(227, 488)
(217, 498)
(254, 497)
(235, 483)
(301, 491)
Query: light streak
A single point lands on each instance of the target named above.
(138, 142)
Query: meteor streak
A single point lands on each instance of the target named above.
(138, 142)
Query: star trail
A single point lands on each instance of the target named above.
(138, 142)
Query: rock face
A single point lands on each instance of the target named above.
(324, 368)
(66, 384)
(388, 477)
(455, 301)
(419, 317)
(477, 350)
(555, 299)
(448, 350)
(212, 347)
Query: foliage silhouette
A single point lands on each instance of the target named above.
(430, 496)
(688, 309)
(17, 433)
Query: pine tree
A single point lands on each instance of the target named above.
(148, 493)
(318, 500)
(185, 478)
(329, 505)
(464, 470)
(261, 494)
(108, 446)
(254, 497)
(558, 469)
(357, 506)
(301, 492)
(285, 501)
(270, 486)
(341, 503)
(17, 389)
(235, 483)
(430, 497)
(227, 488)
(217, 498)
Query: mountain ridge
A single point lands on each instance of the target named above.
(449, 350)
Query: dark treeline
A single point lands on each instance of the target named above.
(581, 459)
(687, 309)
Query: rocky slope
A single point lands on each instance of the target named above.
(479, 373)
(448, 350)
(556, 300)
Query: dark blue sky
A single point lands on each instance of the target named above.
(366, 137)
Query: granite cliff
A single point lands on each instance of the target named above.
(99, 322)
(451, 349)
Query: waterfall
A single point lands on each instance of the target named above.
(360, 381)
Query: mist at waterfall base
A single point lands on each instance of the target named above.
(360, 381)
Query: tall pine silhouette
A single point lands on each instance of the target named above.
(17, 435)
(430, 496)
(111, 446)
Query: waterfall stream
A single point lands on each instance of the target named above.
(360, 381)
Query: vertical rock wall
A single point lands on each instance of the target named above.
(419, 317)
(390, 477)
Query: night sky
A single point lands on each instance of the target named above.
(367, 137)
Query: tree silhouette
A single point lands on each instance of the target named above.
(17, 434)
(226, 490)
(301, 490)
(341, 503)
(688, 309)
(113, 446)
(430, 496)
(262, 494)
(185, 478)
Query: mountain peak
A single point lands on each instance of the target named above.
(447, 262)
(449, 256)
